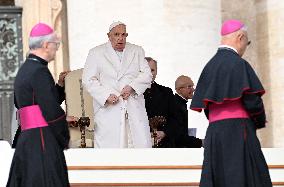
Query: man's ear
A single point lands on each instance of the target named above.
(178, 90)
(240, 36)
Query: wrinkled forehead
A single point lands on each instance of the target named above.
(185, 81)
(189, 82)
(119, 29)
(152, 63)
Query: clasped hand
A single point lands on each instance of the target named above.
(61, 80)
(160, 135)
(125, 93)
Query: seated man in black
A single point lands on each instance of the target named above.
(184, 91)
(159, 101)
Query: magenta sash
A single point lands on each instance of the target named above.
(31, 117)
(227, 110)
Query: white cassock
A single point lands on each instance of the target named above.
(106, 73)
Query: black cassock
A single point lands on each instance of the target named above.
(159, 101)
(183, 140)
(39, 160)
(232, 152)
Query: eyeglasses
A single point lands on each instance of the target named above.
(123, 35)
(56, 43)
(188, 87)
(249, 42)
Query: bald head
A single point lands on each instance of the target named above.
(184, 86)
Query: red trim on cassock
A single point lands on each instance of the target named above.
(197, 109)
(41, 138)
(56, 119)
(245, 134)
(33, 97)
(245, 91)
(261, 92)
(257, 113)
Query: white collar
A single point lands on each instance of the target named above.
(182, 97)
(119, 54)
(227, 46)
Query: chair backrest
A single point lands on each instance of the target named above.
(78, 103)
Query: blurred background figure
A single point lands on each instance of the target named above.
(184, 91)
(160, 102)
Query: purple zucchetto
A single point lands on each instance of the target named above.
(231, 26)
(41, 29)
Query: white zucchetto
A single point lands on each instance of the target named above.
(114, 24)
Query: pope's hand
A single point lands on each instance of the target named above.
(160, 135)
(126, 92)
(112, 99)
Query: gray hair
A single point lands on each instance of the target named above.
(36, 42)
(150, 59)
(244, 28)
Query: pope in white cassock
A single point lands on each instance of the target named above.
(116, 75)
